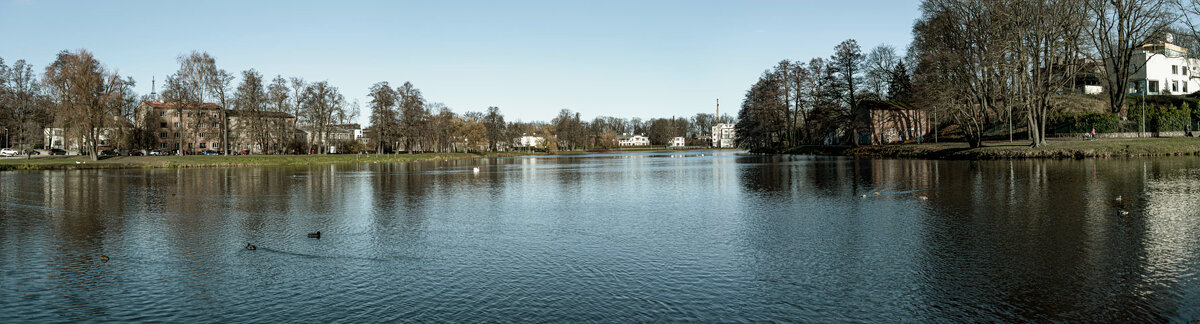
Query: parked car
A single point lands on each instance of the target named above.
(244, 152)
(157, 153)
(58, 152)
(109, 153)
(8, 152)
(136, 153)
(33, 152)
(211, 152)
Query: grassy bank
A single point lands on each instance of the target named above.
(193, 161)
(1056, 149)
(197, 161)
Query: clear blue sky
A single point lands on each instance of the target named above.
(530, 58)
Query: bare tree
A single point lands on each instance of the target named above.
(383, 115)
(1118, 28)
(846, 62)
(877, 68)
(22, 104)
(962, 49)
(494, 122)
(88, 96)
(321, 104)
(278, 132)
(413, 115)
(250, 101)
(220, 87)
(188, 88)
(1045, 56)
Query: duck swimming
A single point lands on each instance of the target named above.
(103, 258)
(316, 235)
(251, 246)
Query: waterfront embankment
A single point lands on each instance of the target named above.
(995, 150)
(195, 161)
(75, 162)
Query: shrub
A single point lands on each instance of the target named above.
(1083, 123)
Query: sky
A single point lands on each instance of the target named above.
(646, 59)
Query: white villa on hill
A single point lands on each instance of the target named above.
(1167, 70)
(633, 140)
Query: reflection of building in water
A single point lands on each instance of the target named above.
(1172, 217)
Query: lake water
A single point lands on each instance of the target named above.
(689, 236)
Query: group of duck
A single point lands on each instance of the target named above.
(316, 235)
(921, 197)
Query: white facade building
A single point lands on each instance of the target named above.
(530, 141)
(1166, 70)
(722, 135)
(633, 140)
(678, 141)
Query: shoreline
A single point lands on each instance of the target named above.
(1005, 150)
(78, 162)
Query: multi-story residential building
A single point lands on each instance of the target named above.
(201, 127)
(1163, 68)
(198, 128)
(260, 132)
(723, 135)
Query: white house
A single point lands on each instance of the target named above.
(530, 141)
(678, 141)
(1163, 68)
(722, 135)
(633, 140)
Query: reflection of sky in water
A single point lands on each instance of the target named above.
(649, 236)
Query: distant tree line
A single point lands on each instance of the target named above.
(816, 102)
(88, 102)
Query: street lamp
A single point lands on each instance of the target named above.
(5, 136)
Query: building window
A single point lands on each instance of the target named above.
(1153, 86)
(1174, 86)
(162, 114)
(162, 145)
(201, 135)
(202, 143)
(176, 134)
(162, 125)
(216, 125)
(176, 124)
(215, 115)
(1185, 70)
(162, 135)
(1174, 69)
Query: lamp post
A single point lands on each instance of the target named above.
(1144, 91)
(5, 136)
